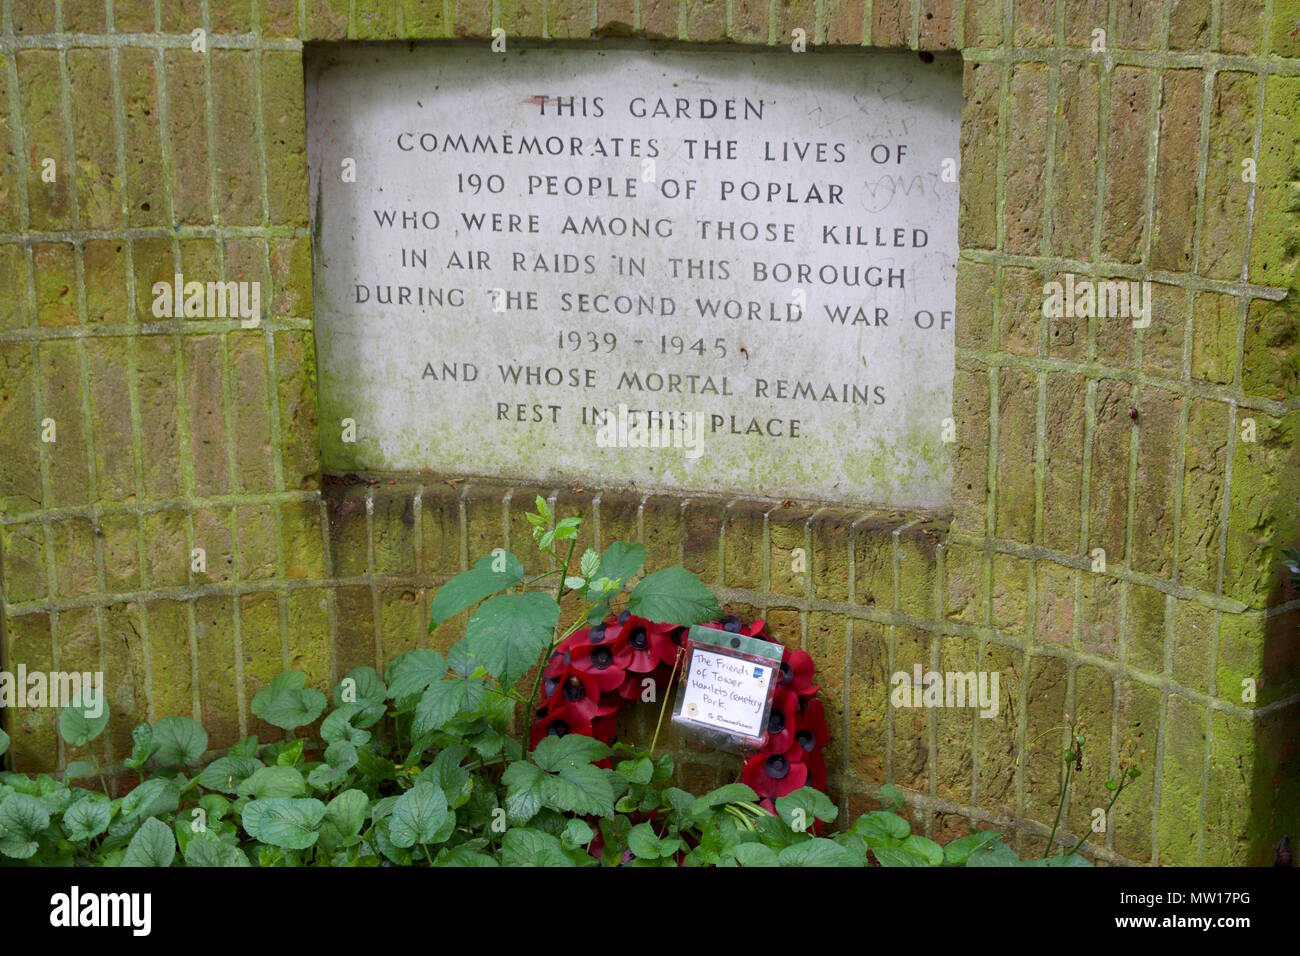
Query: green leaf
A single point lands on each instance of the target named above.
(470, 587)
(959, 851)
(444, 699)
(418, 816)
(584, 789)
(284, 822)
(78, 769)
(209, 851)
(925, 848)
(996, 854)
(345, 815)
(267, 783)
(620, 562)
(340, 757)
(524, 847)
(673, 596)
(571, 750)
(4, 741)
(640, 771)
(87, 819)
(85, 719)
(225, 774)
(152, 798)
(589, 562)
(22, 818)
(508, 634)
(645, 844)
(338, 725)
(897, 856)
(179, 741)
(755, 854)
(410, 673)
(816, 852)
(142, 748)
(577, 834)
(287, 702)
(152, 845)
(811, 802)
(366, 691)
(526, 791)
(883, 826)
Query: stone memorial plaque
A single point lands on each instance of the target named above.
(726, 272)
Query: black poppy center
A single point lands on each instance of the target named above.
(559, 728)
(776, 722)
(777, 766)
(601, 658)
(596, 634)
(731, 624)
(623, 616)
(574, 690)
(787, 673)
(551, 685)
(807, 740)
(640, 640)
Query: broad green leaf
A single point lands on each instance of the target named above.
(816, 852)
(589, 562)
(812, 803)
(620, 562)
(418, 816)
(958, 851)
(179, 741)
(525, 791)
(463, 856)
(78, 769)
(287, 702)
(363, 687)
(209, 851)
(87, 819)
(924, 847)
(284, 822)
(345, 815)
(152, 798)
(577, 834)
(995, 854)
(444, 699)
(524, 847)
(640, 771)
(338, 725)
(583, 789)
(644, 844)
(85, 719)
(152, 845)
(490, 574)
(728, 793)
(898, 856)
(340, 757)
(571, 750)
(508, 634)
(267, 783)
(755, 854)
(225, 774)
(22, 817)
(883, 826)
(673, 596)
(410, 673)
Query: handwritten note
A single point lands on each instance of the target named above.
(726, 692)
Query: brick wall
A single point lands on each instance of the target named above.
(1074, 435)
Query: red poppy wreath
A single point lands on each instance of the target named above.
(595, 671)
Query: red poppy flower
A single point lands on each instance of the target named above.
(605, 729)
(782, 722)
(600, 662)
(646, 643)
(580, 694)
(811, 732)
(797, 673)
(773, 775)
(558, 723)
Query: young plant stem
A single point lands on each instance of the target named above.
(541, 667)
(1118, 790)
(102, 782)
(1060, 805)
(664, 706)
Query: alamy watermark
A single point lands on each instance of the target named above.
(640, 428)
(946, 689)
(212, 300)
(1077, 298)
(82, 689)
